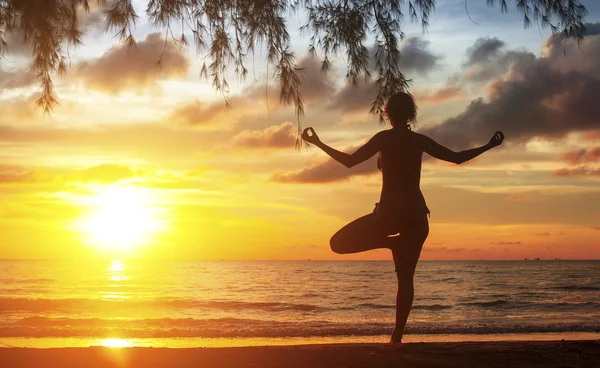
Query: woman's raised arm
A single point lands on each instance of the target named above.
(438, 151)
(362, 154)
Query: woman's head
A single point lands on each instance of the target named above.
(401, 109)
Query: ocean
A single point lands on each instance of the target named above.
(228, 303)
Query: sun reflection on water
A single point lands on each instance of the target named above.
(116, 274)
(116, 271)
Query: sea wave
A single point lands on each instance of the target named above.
(575, 288)
(234, 327)
(74, 304)
(116, 305)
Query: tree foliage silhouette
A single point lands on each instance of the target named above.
(228, 30)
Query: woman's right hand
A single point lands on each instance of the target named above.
(496, 139)
(310, 136)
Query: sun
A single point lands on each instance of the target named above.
(121, 219)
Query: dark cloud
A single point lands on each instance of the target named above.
(316, 86)
(506, 243)
(484, 50)
(593, 29)
(121, 68)
(488, 59)
(417, 57)
(328, 171)
(275, 136)
(534, 99)
(489, 69)
(351, 98)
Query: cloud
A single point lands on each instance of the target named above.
(275, 136)
(417, 57)
(520, 197)
(506, 243)
(152, 142)
(16, 45)
(488, 59)
(121, 68)
(328, 171)
(534, 99)
(569, 56)
(103, 173)
(440, 95)
(483, 50)
(448, 249)
(354, 98)
(17, 174)
(256, 98)
(585, 155)
(92, 21)
(199, 113)
(591, 136)
(17, 79)
(106, 173)
(316, 86)
(578, 171)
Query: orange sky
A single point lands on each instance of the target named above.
(153, 158)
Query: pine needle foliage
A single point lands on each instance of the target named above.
(227, 31)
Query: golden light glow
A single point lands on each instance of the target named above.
(116, 343)
(121, 219)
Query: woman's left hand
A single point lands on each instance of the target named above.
(496, 140)
(312, 137)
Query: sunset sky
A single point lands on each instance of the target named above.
(142, 161)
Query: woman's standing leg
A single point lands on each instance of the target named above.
(406, 252)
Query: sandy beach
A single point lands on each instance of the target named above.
(488, 354)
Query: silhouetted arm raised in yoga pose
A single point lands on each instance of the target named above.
(362, 154)
(438, 151)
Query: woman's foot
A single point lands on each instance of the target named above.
(396, 338)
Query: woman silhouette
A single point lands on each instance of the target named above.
(401, 208)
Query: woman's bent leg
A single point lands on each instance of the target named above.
(406, 255)
(364, 233)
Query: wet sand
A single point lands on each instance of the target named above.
(546, 354)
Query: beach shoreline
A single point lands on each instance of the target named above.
(200, 342)
(546, 354)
